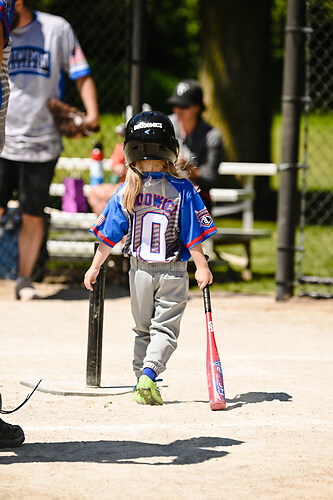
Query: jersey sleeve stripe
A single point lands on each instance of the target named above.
(101, 236)
(201, 237)
(77, 73)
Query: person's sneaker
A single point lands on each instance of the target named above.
(138, 398)
(25, 290)
(11, 436)
(147, 390)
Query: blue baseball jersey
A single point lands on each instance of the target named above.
(169, 219)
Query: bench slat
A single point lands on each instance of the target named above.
(222, 211)
(230, 195)
(76, 249)
(238, 235)
(231, 168)
(59, 189)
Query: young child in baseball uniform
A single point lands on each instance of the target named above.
(165, 222)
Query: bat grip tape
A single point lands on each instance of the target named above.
(206, 296)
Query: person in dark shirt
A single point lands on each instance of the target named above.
(201, 146)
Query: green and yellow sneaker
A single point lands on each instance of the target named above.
(147, 393)
(138, 398)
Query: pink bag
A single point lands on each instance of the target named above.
(74, 199)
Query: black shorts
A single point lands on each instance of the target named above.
(31, 182)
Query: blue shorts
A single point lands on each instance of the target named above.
(30, 181)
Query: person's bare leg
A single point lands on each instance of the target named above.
(30, 240)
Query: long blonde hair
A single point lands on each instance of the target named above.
(134, 178)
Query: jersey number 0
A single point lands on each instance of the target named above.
(151, 245)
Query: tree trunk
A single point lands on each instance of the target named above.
(235, 74)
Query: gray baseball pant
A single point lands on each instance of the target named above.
(159, 294)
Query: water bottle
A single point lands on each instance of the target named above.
(96, 165)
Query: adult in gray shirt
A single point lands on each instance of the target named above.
(44, 49)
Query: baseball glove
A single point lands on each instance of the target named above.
(69, 120)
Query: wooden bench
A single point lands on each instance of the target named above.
(70, 238)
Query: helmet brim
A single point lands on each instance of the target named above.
(137, 151)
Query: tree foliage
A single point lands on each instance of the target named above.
(172, 47)
(234, 69)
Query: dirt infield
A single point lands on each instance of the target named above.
(274, 440)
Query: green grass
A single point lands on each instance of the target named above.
(264, 255)
(229, 277)
(81, 148)
(319, 151)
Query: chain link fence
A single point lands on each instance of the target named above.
(315, 258)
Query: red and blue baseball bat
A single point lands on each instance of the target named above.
(213, 363)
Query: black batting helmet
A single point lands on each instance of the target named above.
(150, 136)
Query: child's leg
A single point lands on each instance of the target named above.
(142, 304)
(171, 292)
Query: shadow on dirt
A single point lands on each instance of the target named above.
(243, 399)
(256, 397)
(80, 293)
(180, 452)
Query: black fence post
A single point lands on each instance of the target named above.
(292, 103)
(137, 56)
(95, 330)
